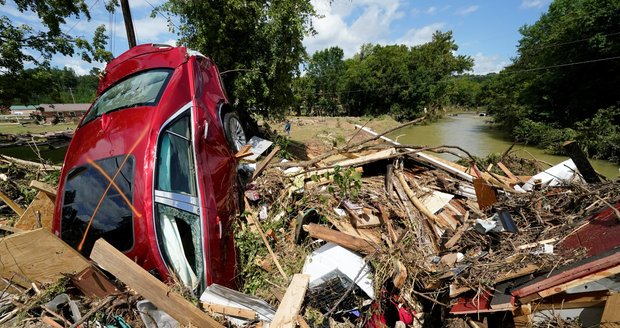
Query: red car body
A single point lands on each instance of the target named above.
(174, 172)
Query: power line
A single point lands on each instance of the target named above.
(162, 15)
(568, 42)
(565, 65)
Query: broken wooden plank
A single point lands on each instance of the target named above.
(39, 213)
(138, 279)
(340, 238)
(508, 173)
(291, 303)
(44, 187)
(259, 228)
(16, 208)
(573, 151)
(38, 255)
(418, 204)
(611, 313)
(580, 281)
(229, 310)
(262, 165)
(346, 227)
(245, 151)
(457, 235)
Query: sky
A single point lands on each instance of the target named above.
(486, 30)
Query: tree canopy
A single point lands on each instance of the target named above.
(394, 79)
(257, 45)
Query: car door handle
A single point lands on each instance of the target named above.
(206, 131)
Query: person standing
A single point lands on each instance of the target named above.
(287, 128)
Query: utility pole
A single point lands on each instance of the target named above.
(131, 35)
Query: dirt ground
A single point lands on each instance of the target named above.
(318, 134)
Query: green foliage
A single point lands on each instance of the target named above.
(600, 135)
(397, 80)
(17, 42)
(47, 85)
(348, 181)
(256, 44)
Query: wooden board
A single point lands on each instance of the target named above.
(371, 235)
(580, 281)
(611, 313)
(262, 165)
(353, 243)
(138, 279)
(485, 194)
(39, 214)
(39, 256)
(44, 187)
(229, 310)
(286, 314)
(16, 208)
(92, 283)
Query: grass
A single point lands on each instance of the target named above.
(35, 128)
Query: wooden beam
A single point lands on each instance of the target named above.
(340, 238)
(418, 203)
(138, 279)
(262, 165)
(611, 313)
(580, 281)
(259, 228)
(286, 314)
(508, 173)
(573, 151)
(16, 208)
(567, 275)
(44, 187)
(229, 310)
(38, 255)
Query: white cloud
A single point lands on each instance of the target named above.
(151, 29)
(135, 4)
(488, 64)
(349, 24)
(431, 10)
(466, 11)
(78, 65)
(417, 36)
(532, 3)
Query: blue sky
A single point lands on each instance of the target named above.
(486, 30)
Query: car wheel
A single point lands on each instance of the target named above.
(234, 131)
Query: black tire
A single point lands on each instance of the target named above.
(234, 131)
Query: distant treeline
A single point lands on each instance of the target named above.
(45, 85)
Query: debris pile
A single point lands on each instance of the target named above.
(370, 234)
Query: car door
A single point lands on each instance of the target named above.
(178, 213)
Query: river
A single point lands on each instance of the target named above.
(467, 130)
(474, 134)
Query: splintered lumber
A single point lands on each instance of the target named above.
(580, 281)
(39, 213)
(457, 235)
(30, 164)
(44, 187)
(370, 235)
(259, 228)
(567, 274)
(418, 204)
(573, 151)
(291, 303)
(138, 279)
(262, 165)
(508, 172)
(38, 255)
(16, 208)
(229, 310)
(611, 315)
(340, 238)
(384, 154)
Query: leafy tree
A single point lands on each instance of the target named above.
(256, 44)
(325, 70)
(17, 41)
(572, 42)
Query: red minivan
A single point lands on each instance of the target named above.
(151, 168)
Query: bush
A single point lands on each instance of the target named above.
(600, 136)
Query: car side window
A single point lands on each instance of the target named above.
(177, 209)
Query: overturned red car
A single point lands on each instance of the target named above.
(151, 168)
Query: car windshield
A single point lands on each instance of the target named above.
(142, 89)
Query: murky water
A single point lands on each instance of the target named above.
(474, 134)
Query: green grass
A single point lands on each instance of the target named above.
(34, 128)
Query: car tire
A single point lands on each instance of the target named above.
(234, 131)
